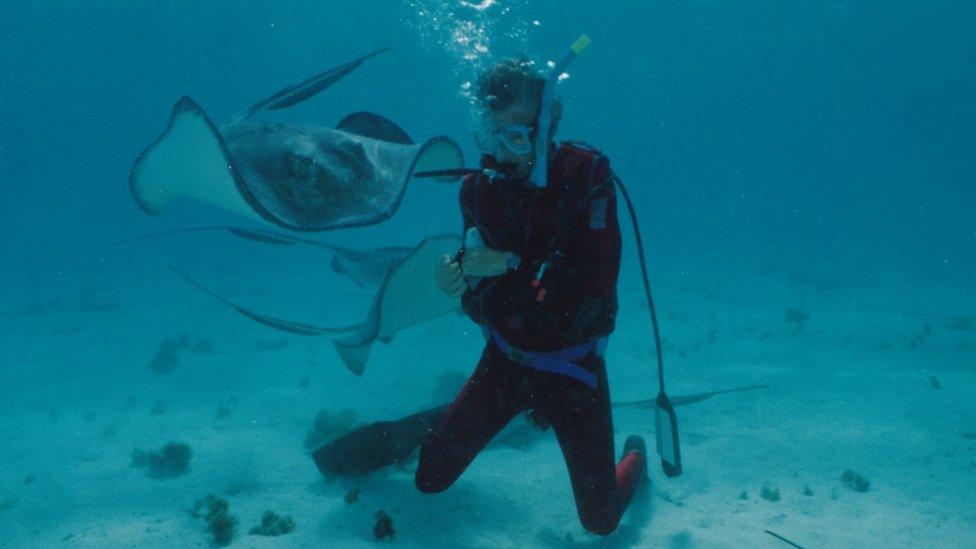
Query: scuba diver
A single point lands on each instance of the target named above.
(538, 272)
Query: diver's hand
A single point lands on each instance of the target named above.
(448, 277)
(484, 262)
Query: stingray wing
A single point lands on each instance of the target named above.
(263, 171)
(407, 297)
(190, 158)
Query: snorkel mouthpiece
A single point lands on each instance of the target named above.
(540, 172)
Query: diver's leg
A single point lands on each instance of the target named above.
(484, 406)
(583, 424)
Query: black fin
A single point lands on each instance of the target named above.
(296, 93)
(368, 124)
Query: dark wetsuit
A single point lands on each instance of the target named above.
(576, 216)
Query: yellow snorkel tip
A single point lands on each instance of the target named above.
(581, 44)
(540, 172)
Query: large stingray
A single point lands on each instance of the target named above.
(407, 297)
(298, 177)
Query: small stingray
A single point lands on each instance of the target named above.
(376, 445)
(367, 268)
(298, 177)
(408, 296)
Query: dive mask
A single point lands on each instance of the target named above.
(516, 137)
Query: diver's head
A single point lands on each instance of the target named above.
(509, 95)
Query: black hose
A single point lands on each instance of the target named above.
(647, 284)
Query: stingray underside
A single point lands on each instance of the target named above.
(407, 297)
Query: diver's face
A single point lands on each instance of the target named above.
(511, 143)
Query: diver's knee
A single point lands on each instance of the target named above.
(430, 483)
(599, 523)
(432, 474)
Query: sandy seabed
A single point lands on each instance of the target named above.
(879, 379)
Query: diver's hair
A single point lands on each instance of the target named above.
(511, 81)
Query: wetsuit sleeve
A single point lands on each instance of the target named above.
(471, 299)
(583, 291)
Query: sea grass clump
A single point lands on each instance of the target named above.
(167, 357)
(220, 523)
(170, 461)
(384, 526)
(854, 481)
(273, 525)
(770, 493)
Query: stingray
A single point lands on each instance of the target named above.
(407, 297)
(383, 443)
(297, 177)
(367, 268)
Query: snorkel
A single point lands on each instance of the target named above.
(540, 172)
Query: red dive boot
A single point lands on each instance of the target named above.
(635, 443)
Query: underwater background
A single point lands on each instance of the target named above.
(805, 178)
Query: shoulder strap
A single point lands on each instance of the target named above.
(569, 209)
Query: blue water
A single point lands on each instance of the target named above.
(777, 132)
(825, 139)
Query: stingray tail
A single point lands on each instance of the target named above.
(254, 235)
(681, 400)
(296, 93)
(292, 327)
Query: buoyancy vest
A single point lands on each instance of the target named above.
(572, 298)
